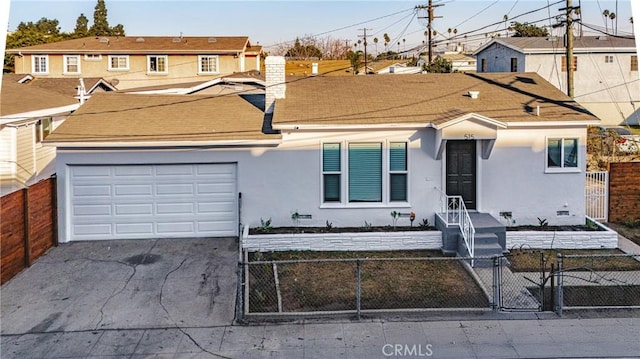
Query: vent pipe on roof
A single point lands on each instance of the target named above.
(538, 110)
(314, 68)
(474, 94)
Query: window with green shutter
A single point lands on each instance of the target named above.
(331, 172)
(365, 172)
(397, 171)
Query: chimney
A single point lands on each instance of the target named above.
(314, 68)
(275, 81)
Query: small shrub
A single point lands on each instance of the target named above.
(367, 226)
(265, 226)
(295, 217)
(542, 222)
(395, 215)
(329, 226)
(424, 224)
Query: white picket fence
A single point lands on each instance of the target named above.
(597, 195)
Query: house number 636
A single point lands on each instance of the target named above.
(469, 136)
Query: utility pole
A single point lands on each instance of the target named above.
(569, 54)
(364, 36)
(429, 18)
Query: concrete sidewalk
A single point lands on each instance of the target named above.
(537, 338)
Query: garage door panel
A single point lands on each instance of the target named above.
(133, 209)
(92, 230)
(134, 228)
(133, 171)
(175, 208)
(175, 189)
(91, 210)
(134, 190)
(153, 201)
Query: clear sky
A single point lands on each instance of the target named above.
(273, 22)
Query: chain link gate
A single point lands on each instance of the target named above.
(529, 289)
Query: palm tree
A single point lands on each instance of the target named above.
(631, 21)
(404, 46)
(375, 41)
(606, 20)
(505, 18)
(387, 40)
(612, 16)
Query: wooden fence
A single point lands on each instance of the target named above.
(28, 226)
(624, 191)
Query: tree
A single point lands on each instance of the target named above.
(303, 51)
(387, 40)
(82, 27)
(28, 34)
(528, 30)
(375, 41)
(100, 25)
(612, 16)
(439, 65)
(631, 21)
(606, 20)
(355, 60)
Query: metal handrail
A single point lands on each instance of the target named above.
(455, 213)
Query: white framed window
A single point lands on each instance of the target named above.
(562, 154)
(44, 126)
(157, 64)
(40, 64)
(92, 57)
(71, 64)
(364, 173)
(208, 64)
(608, 59)
(118, 62)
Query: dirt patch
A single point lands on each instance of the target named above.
(630, 232)
(291, 230)
(392, 283)
(584, 228)
(597, 296)
(530, 261)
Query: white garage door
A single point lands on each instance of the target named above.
(153, 201)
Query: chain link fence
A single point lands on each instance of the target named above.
(598, 281)
(523, 280)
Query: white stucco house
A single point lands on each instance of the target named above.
(30, 109)
(338, 149)
(606, 78)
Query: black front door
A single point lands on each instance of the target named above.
(461, 171)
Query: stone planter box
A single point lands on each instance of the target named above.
(605, 238)
(361, 241)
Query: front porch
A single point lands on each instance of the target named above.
(482, 236)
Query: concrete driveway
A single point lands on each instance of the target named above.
(124, 284)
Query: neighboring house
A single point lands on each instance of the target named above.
(250, 82)
(606, 78)
(28, 114)
(460, 61)
(341, 149)
(137, 61)
(391, 67)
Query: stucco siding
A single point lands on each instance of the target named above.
(514, 179)
(277, 181)
(181, 69)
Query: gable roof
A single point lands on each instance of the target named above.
(20, 98)
(556, 45)
(111, 118)
(68, 86)
(423, 99)
(143, 45)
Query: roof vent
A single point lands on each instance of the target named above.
(104, 40)
(212, 39)
(474, 94)
(601, 37)
(140, 39)
(175, 39)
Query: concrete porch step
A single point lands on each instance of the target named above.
(486, 238)
(487, 250)
(485, 223)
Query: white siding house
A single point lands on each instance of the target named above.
(606, 78)
(340, 149)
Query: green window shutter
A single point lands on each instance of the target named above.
(365, 172)
(398, 156)
(331, 157)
